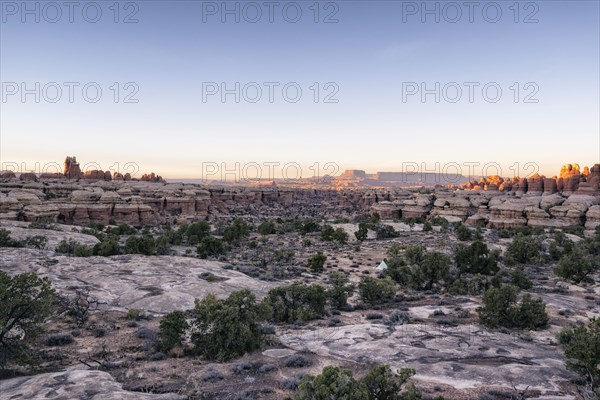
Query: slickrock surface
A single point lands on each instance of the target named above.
(73, 384)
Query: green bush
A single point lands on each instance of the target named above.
(225, 329)
(7, 241)
(576, 266)
(235, 232)
(341, 290)
(296, 302)
(172, 330)
(144, 244)
(109, 246)
(316, 262)
(196, 232)
(25, 303)
(463, 233)
(340, 235)
(523, 250)
(582, 349)
(332, 383)
(210, 247)
(376, 291)
(362, 232)
(267, 228)
(383, 231)
(427, 227)
(440, 221)
(38, 242)
(520, 280)
(433, 269)
(74, 248)
(476, 259)
(380, 383)
(500, 309)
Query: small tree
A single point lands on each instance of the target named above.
(210, 247)
(523, 250)
(362, 232)
(582, 349)
(341, 289)
(434, 268)
(225, 329)
(172, 330)
(500, 309)
(340, 236)
(476, 259)
(332, 383)
(296, 302)
(463, 233)
(267, 228)
(376, 291)
(521, 280)
(316, 263)
(384, 384)
(25, 303)
(575, 266)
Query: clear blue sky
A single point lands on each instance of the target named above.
(374, 49)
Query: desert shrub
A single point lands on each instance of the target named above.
(109, 246)
(196, 232)
(520, 279)
(463, 233)
(316, 262)
(235, 232)
(471, 284)
(7, 241)
(383, 231)
(332, 383)
(427, 227)
(476, 259)
(433, 269)
(210, 247)
(297, 361)
(380, 383)
(373, 315)
(560, 245)
(414, 254)
(296, 302)
(362, 232)
(144, 244)
(136, 314)
(74, 248)
(172, 330)
(384, 384)
(267, 228)
(327, 233)
(523, 250)
(500, 309)
(59, 339)
(212, 375)
(398, 317)
(37, 242)
(225, 329)
(582, 349)
(340, 291)
(266, 368)
(440, 221)
(576, 266)
(25, 303)
(376, 291)
(122, 229)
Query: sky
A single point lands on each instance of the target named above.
(191, 88)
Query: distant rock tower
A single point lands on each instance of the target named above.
(72, 170)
